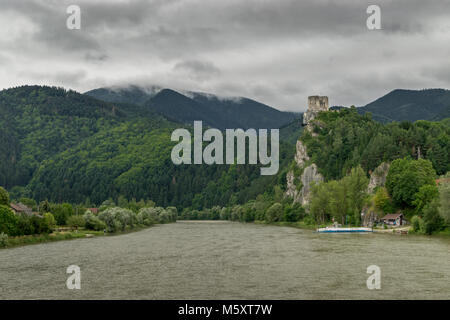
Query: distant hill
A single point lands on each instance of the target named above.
(131, 94)
(185, 107)
(410, 105)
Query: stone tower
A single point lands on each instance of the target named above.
(315, 105)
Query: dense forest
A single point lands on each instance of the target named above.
(63, 146)
(346, 139)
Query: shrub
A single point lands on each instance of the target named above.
(173, 213)
(236, 213)
(309, 220)
(383, 201)
(8, 221)
(248, 213)
(117, 219)
(25, 225)
(293, 213)
(274, 213)
(76, 221)
(164, 216)
(225, 213)
(417, 224)
(49, 219)
(61, 212)
(432, 219)
(148, 216)
(91, 222)
(4, 197)
(3, 240)
(40, 225)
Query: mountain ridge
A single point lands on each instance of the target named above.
(410, 105)
(186, 106)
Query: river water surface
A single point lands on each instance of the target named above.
(225, 260)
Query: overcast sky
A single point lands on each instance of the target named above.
(278, 52)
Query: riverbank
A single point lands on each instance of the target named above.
(298, 224)
(20, 241)
(393, 231)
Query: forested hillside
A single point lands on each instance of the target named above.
(411, 105)
(38, 122)
(346, 140)
(67, 147)
(348, 148)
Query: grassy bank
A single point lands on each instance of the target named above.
(298, 224)
(60, 236)
(42, 238)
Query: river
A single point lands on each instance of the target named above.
(226, 260)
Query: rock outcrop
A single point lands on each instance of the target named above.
(299, 188)
(301, 191)
(291, 188)
(301, 156)
(378, 177)
(310, 174)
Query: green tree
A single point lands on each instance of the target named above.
(8, 221)
(76, 221)
(383, 201)
(444, 198)
(49, 220)
(44, 206)
(357, 183)
(92, 222)
(406, 177)
(320, 202)
(417, 224)
(424, 196)
(3, 240)
(274, 213)
(4, 197)
(432, 219)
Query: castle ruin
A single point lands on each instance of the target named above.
(315, 105)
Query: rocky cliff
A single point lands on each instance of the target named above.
(299, 188)
(378, 177)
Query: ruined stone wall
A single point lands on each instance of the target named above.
(315, 105)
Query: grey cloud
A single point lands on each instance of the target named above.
(278, 52)
(200, 70)
(95, 57)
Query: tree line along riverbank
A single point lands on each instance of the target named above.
(47, 222)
